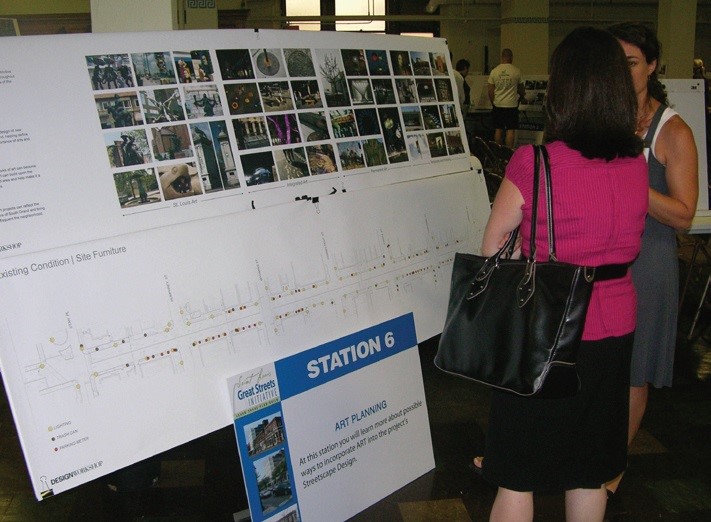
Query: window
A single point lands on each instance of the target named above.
(341, 8)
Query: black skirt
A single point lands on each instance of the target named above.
(553, 445)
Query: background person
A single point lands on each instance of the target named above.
(505, 93)
(461, 69)
(599, 180)
(673, 191)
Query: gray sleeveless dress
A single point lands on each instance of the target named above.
(656, 278)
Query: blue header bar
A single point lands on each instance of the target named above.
(335, 359)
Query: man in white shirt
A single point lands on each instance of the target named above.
(505, 92)
(461, 69)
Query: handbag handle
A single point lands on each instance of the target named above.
(481, 279)
(549, 203)
(527, 286)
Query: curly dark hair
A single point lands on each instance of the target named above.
(641, 36)
(591, 104)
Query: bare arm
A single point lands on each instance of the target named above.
(675, 148)
(491, 90)
(506, 215)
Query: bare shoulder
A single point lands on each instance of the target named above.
(675, 139)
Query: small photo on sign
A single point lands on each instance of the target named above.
(374, 151)
(449, 115)
(109, 71)
(214, 152)
(162, 105)
(202, 66)
(171, 142)
(276, 96)
(291, 163)
(137, 187)
(127, 147)
(438, 62)
(443, 88)
(377, 62)
(351, 155)
(306, 94)
(322, 160)
(330, 68)
(258, 168)
(264, 434)
(454, 142)
(406, 90)
(420, 63)
(401, 63)
(431, 117)
(425, 91)
(202, 101)
(383, 91)
(118, 110)
(299, 62)
(343, 123)
(437, 144)
(313, 126)
(235, 64)
(417, 147)
(412, 117)
(367, 120)
(272, 477)
(243, 98)
(283, 129)
(179, 181)
(153, 69)
(393, 134)
(251, 132)
(354, 62)
(268, 63)
(361, 93)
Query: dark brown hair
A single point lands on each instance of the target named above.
(641, 36)
(591, 103)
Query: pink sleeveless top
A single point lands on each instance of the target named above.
(599, 209)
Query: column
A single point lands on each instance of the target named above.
(154, 15)
(524, 30)
(676, 29)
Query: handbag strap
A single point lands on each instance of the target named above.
(549, 203)
(534, 209)
(541, 160)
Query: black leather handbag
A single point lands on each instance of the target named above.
(516, 324)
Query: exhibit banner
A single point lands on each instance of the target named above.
(181, 207)
(330, 431)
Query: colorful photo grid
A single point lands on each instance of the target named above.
(189, 123)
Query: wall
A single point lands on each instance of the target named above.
(469, 27)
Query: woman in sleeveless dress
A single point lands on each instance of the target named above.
(673, 191)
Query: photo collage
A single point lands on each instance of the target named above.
(179, 124)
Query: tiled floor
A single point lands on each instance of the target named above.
(669, 475)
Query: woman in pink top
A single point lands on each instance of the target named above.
(599, 180)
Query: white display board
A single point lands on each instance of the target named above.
(206, 203)
(331, 420)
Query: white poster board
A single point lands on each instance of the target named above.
(314, 425)
(138, 273)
